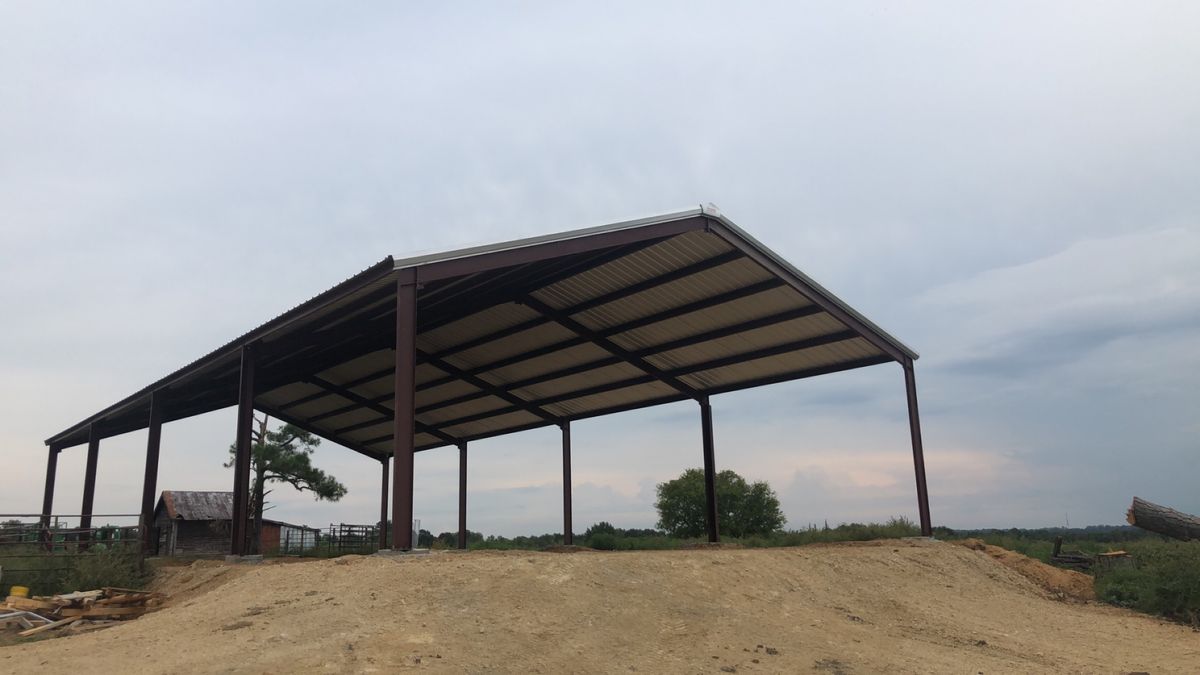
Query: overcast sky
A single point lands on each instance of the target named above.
(1012, 189)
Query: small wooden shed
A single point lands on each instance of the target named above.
(190, 522)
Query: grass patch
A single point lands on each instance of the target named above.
(46, 574)
(1164, 580)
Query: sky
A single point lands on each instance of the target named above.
(1013, 189)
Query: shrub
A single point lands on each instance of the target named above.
(1165, 580)
(602, 527)
(31, 567)
(102, 567)
(603, 541)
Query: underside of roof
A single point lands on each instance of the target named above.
(532, 333)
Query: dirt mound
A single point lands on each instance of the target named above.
(1062, 584)
(899, 607)
(181, 583)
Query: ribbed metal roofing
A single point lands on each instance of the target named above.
(535, 332)
(195, 505)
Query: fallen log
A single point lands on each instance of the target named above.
(1163, 520)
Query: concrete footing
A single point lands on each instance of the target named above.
(389, 552)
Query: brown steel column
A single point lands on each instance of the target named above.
(404, 420)
(150, 479)
(48, 495)
(710, 472)
(568, 533)
(383, 506)
(462, 495)
(241, 464)
(914, 427)
(89, 484)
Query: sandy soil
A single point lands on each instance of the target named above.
(888, 607)
(1062, 583)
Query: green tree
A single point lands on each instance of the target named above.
(742, 508)
(602, 527)
(282, 456)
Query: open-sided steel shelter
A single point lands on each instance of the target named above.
(441, 350)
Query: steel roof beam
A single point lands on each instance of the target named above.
(689, 341)
(795, 345)
(295, 421)
(542, 275)
(682, 310)
(604, 299)
(386, 413)
(611, 347)
(384, 320)
(517, 402)
(673, 398)
(681, 273)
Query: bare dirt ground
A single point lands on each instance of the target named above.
(884, 607)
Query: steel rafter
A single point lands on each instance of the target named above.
(633, 324)
(611, 347)
(762, 352)
(517, 402)
(386, 414)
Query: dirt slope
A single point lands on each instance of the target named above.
(892, 607)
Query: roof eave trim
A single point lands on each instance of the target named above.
(474, 251)
(367, 276)
(809, 281)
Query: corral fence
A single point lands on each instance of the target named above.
(337, 539)
(37, 549)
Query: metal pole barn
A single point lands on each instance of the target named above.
(710, 472)
(383, 506)
(462, 495)
(404, 417)
(568, 532)
(914, 427)
(150, 479)
(89, 484)
(241, 466)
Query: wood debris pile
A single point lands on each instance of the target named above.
(78, 611)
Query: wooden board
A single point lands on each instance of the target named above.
(113, 590)
(29, 604)
(89, 612)
(49, 626)
(69, 598)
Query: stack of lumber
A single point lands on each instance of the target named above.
(82, 608)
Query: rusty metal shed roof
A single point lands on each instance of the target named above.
(530, 333)
(195, 505)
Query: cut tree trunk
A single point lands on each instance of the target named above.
(1163, 520)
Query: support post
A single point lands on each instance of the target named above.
(150, 479)
(241, 464)
(710, 472)
(568, 532)
(462, 495)
(89, 485)
(48, 496)
(383, 506)
(404, 418)
(914, 427)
